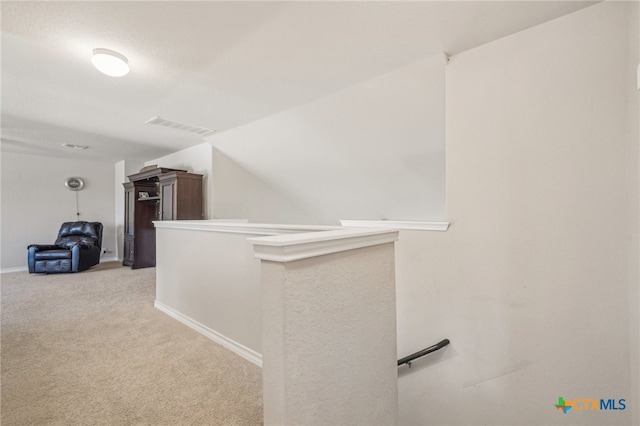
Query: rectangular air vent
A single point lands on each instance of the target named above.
(72, 146)
(180, 126)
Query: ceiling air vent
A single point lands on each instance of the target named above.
(180, 126)
(72, 146)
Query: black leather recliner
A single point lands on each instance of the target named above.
(77, 248)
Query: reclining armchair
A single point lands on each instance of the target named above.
(77, 248)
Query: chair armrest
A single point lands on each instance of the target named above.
(83, 257)
(94, 250)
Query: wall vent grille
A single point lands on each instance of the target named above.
(159, 121)
(72, 146)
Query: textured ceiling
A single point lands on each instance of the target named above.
(213, 64)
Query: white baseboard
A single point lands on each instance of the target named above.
(246, 353)
(16, 269)
(109, 259)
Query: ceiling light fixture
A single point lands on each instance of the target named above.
(110, 62)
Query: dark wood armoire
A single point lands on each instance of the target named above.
(157, 194)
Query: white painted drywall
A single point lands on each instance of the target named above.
(197, 159)
(372, 151)
(329, 339)
(208, 277)
(35, 201)
(236, 193)
(213, 279)
(531, 283)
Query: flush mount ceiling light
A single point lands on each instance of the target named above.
(110, 62)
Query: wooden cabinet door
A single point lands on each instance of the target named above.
(168, 201)
(127, 258)
(129, 210)
(129, 223)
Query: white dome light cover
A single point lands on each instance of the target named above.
(110, 62)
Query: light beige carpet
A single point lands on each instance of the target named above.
(90, 349)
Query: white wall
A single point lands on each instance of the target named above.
(236, 193)
(329, 335)
(532, 281)
(208, 277)
(226, 303)
(197, 159)
(372, 151)
(35, 201)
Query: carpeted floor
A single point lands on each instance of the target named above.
(90, 349)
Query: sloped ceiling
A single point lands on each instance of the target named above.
(216, 64)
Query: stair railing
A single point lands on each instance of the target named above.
(408, 359)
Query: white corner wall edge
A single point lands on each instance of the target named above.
(396, 224)
(246, 353)
(290, 247)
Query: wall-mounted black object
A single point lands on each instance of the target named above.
(407, 359)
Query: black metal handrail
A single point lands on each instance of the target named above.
(407, 359)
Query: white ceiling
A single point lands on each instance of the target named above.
(213, 64)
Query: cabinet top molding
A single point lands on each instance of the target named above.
(153, 173)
